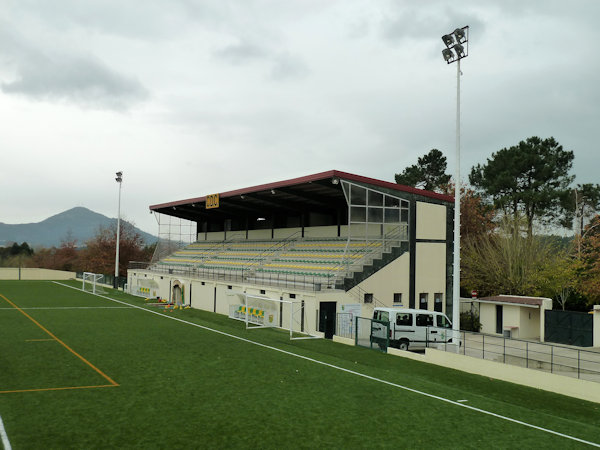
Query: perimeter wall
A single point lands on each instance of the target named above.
(27, 273)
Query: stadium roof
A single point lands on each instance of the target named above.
(320, 192)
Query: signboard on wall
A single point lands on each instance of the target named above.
(212, 201)
(346, 318)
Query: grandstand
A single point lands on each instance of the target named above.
(330, 240)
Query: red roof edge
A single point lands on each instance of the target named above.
(308, 179)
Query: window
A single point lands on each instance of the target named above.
(368, 298)
(229, 287)
(424, 320)
(384, 316)
(404, 319)
(423, 300)
(437, 301)
(262, 291)
(292, 296)
(398, 297)
(443, 322)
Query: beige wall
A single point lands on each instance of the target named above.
(259, 234)
(393, 278)
(215, 236)
(360, 230)
(9, 273)
(430, 271)
(328, 231)
(487, 317)
(511, 316)
(572, 387)
(203, 295)
(284, 233)
(431, 221)
(529, 324)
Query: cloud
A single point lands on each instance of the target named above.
(53, 75)
(241, 53)
(284, 66)
(417, 22)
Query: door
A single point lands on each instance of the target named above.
(177, 295)
(424, 324)
(327, 318)
(499, 319)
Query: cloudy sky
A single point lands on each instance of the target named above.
(191, 97)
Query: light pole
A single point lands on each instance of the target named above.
(119, 180)
(457, 48)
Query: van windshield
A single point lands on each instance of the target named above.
(443, 322)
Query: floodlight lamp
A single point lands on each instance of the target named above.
(448, 40)
(119, 174)
(460, 35)
(272, 191)
(448, 55)
(460, 51)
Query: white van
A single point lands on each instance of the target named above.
(414, 328)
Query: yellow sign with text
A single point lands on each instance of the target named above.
(212, 201)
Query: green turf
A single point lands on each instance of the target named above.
(181, 386)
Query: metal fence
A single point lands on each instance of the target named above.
(366, 331)
(284, 280)
(567, 361)
(560, 360)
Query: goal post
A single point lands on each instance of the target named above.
(258, 311)
(92, 282)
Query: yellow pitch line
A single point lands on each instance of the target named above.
(106, 377)
(58, 388)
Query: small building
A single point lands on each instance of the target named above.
(513, 316)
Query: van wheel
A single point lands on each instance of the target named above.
(403, 344)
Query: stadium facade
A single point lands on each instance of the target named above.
(333, 242)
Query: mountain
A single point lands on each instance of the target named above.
(77, 223)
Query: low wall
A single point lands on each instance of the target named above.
(27, 273)
(572, 387)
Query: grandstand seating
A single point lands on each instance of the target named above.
(303, 261)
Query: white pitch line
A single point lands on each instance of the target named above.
(4, 436)
(72, 307)
(379, 380)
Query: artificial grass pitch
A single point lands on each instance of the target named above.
(181, 386)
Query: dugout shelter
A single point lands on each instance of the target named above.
(337, 243)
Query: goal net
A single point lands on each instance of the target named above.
(92, 282)
(265, 312)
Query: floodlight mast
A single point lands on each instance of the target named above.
(118, 179)
(457, 48)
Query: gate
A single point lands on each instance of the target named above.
(569, 327)
(371, 333)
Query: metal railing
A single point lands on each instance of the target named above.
(393, 238)
(567, 361)
(244, 275)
